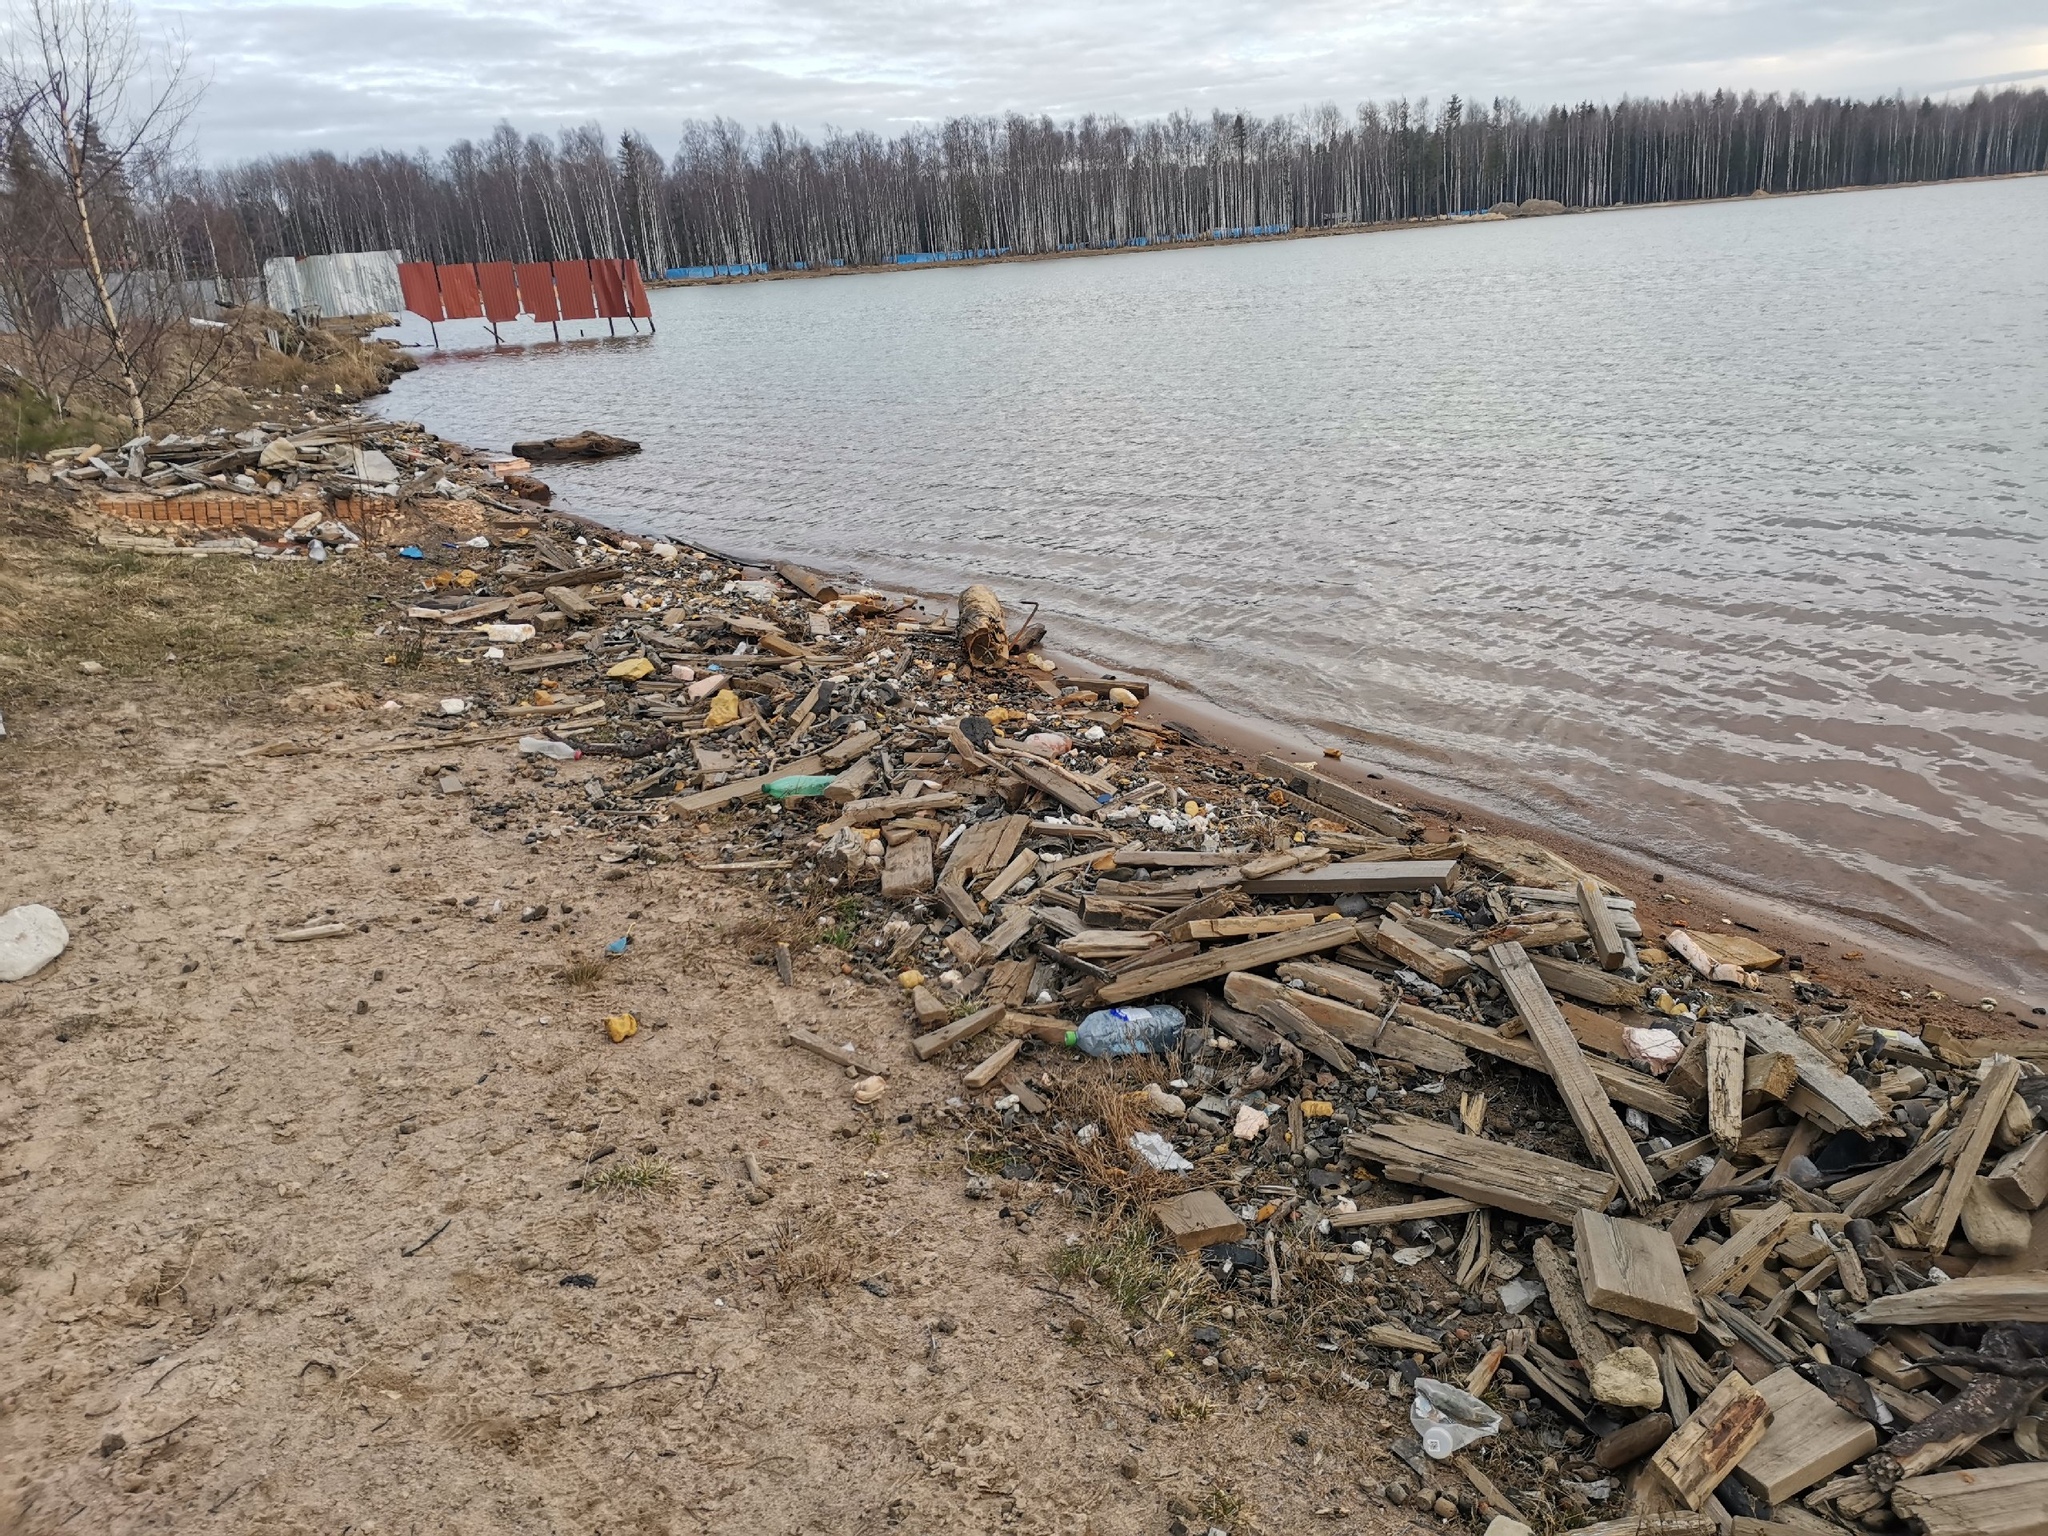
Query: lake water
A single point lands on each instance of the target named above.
(1718, 532)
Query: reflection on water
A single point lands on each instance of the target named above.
(1717, 532)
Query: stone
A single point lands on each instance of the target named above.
(1503, 1526)
(30, 938)
(1628, 1379)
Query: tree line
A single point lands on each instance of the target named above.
(776, 197)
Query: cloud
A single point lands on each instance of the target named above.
(300, 74)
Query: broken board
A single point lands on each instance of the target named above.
(1632, 1268)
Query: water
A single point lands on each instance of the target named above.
(1714, 532)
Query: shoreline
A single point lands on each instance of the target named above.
(1396, 226)
(1860, 959)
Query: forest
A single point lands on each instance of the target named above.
(775, 198)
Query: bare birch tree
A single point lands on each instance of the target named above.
(104, 113)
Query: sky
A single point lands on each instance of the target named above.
(348, 75)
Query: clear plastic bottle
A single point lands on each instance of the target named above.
(1448, 1418)
(540, 746)
(1128, 1031)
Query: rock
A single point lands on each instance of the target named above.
(1445, 1508)
(1628, 1379)
(1251, 1123)
(30, 938)
(1503, 1526)
(526, 488)
(577, 445)
(1395, 1492)
(869, 1089)
(91, 668)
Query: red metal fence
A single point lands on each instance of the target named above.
(546, 291)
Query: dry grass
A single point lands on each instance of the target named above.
(584, 974)
(218, 627)
(639, 1177)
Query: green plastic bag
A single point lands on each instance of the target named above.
(799, 785)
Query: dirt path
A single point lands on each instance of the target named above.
(288, 1237)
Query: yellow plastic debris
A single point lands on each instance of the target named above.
(725, 708)
(910, 981)
(633, 668)
(621, 1027)
(466, 579)
(1317, 1109)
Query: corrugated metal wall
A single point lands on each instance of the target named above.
(347, 283)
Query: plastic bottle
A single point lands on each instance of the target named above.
(1448, 1418)
(1128, 1031)
(540, 746)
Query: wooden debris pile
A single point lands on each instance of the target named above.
(1722, 1251)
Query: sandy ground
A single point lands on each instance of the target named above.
(287, 1231)
(382, 1232)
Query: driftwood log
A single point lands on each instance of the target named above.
(984, 634)
(577, 445)
(1986, 1405)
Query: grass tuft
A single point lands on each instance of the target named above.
(641, 1176)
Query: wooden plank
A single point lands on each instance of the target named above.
(840, 1055)
(1402, 944)
(850, 750)
(1393, 1215)
(1810, 1437)
(1842, 1093)
(1605, 1136)
(1568, 1300)
(1724, 1428)
(907, 869)
(992, 1066)
(1507, 1178)
(1053, 786)
(928, 1046)
(853, 782)
(1353, 803)
(1367, 877)
(1978, 1501)
(1601, 931)
(1587, 984)
(969, 855)
(1623, 1085)
(1199, 1219)
(1016, 922)
(1736, 1262)
(1972, 1141)
(1010, 876)
(868, 813)
(1723, 1064)
(2020, 1178)
(1225, 958)
(1353, 1027)
(1632, 1268)
(1207, 930)
(1972, 1299)
(1894, 1179)
(746, 789)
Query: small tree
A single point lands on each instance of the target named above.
(99, 116)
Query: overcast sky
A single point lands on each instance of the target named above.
(352, 74)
